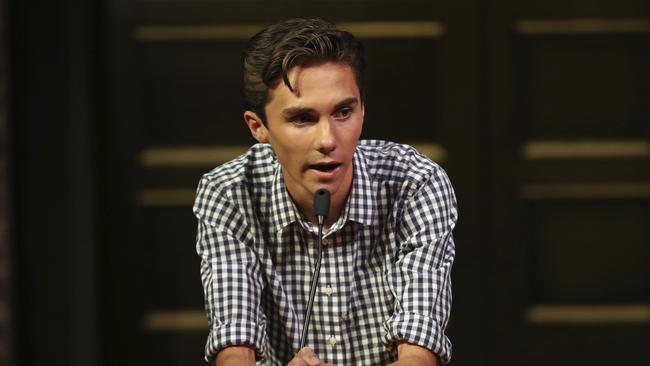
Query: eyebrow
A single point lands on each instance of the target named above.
(293, 111)
(346, 102)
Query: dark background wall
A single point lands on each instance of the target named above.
(538, 110)
(53, 97)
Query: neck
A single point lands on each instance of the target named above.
(338, 201)
(305, 201)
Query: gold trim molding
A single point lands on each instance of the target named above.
(368, 30)
(242, 32)
(184, 33)
(434, 152)
(586, 191)
(581, 26)
(587, 314)
(586, 149)
(211, 156)
(183, 320)
(190, 156)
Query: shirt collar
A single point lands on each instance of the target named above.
(283, 210)
(361, 206)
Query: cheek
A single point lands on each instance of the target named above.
(288, 154)
(353, 132)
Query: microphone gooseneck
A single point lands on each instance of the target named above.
(321, 210)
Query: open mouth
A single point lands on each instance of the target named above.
(325, 168)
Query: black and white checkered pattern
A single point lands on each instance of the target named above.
(385, 275)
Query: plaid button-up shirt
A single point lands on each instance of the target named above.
(385, 274)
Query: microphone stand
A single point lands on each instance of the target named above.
(321, 209)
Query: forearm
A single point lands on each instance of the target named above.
(236, 356)
(412, 355)
(414, 361)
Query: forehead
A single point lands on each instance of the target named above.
(315, 83)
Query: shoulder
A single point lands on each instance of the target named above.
(393, 162)
(232, 184)
(246, 168)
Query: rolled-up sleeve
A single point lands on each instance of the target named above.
(230, 273)
(420, 277)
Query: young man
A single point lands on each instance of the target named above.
(384, 292)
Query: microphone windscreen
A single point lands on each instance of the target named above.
(322, 202)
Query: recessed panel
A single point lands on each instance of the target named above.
(570, 345)
(403, 87)
(589, 252)
(192, 94)
(176, 348)
(169, 255)
(584, 86)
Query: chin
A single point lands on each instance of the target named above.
(331, 187)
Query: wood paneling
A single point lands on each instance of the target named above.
(539, 109)
(6, 288)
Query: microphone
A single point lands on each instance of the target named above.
(321, 205)
(321, 210)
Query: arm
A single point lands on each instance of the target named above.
(231, 275)
(236, 356)
(420, 277)
(412, 355)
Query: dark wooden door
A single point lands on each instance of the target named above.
(538, 112)
(568, 85)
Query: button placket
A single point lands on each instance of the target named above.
(328, 290)
(333, 341)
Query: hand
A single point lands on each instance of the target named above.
(307, 357)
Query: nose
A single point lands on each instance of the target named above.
(325, 138)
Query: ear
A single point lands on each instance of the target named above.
(256, 126)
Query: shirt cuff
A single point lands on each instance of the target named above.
(236, 334)
(420, 330)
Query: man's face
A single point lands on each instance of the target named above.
(314, 130)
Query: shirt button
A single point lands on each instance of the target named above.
(332, 341)
(328, 290)
(327, 241)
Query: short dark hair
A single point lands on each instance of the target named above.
(275, 50)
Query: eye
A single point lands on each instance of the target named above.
(343, 113)
(302, 119)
